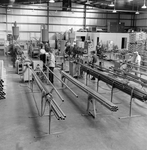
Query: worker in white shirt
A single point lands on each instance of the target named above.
(42, 57)
(51, 65)
(137, 61)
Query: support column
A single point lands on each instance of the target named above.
(6, 22)
(48, 17)
(118, 17)
(84, 16)
(107, 21)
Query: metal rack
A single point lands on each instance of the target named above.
(2, 93)
(132, 91)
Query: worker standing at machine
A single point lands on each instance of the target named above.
(136, 59)
(51, 65)
(137, 62)
(42, 56)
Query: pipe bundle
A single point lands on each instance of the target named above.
(54, 106)
(137, 93)
(91, 92)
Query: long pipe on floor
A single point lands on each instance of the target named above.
(137, 93)
(93, 93)
(51, 85)
(62, 81)
(59, 112)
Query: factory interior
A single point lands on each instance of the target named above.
(73, 74)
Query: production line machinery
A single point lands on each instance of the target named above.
(115, 83)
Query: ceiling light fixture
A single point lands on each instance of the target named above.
(144, 6)
(114, 10)
(10, 5)
(112, 4)
(88, 2)
(51, 1)
(8, 10)
(137, 12)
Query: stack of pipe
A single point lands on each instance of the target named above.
(137, 93)
(2, 93)
(91, 92)
(54, 106)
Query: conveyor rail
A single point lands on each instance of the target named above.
(132, 91)
(53, 106)
(94, 94)
(141, 95)
(42, 87)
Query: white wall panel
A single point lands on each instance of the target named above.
(26, 28)
(95, 22)
(127, 22)
(29, 27)
(67, 14)
(2, 27)
(96, 15)
(28, 12)
(74, 21)
(37, 19)
(24, 36)
(112, 15)
(51, 36)
(3, 35)
(2, 18)
(91, 9)
(77, 5)
(125, 16)
(2, 10)
(11, 18)
(35, 6)
(141, 23)
(58, 28)
(26, 19)
(142, 16)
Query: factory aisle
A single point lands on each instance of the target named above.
(21, 129)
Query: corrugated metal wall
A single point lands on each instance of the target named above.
(31, 17)
(141, 21)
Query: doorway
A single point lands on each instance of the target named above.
(124, 43)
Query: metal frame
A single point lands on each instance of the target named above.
(91, 94)
(114, 85)
(53, 106)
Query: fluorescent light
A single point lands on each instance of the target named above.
(52, 1)
(137, 12)
(112, 4)
(10, 5)
(144, 6)
(114, 11)
(87, 2)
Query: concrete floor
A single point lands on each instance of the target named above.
(19, 131)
